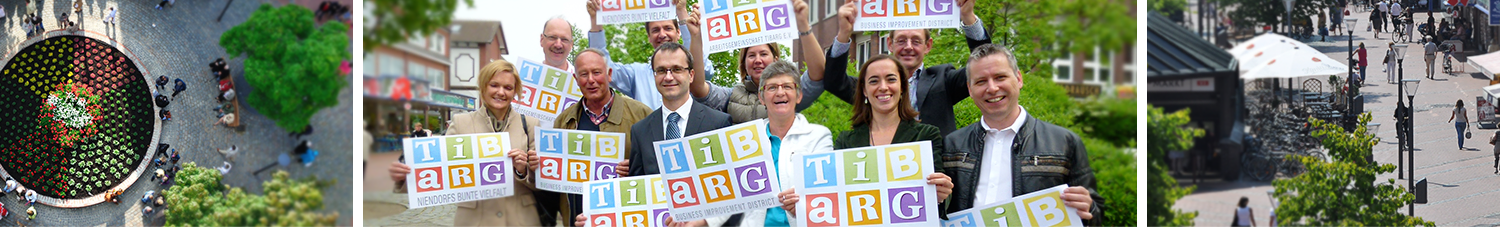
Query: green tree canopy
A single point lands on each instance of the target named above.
(1343, 191)
(1166, 132)
(392, 21)
(292, 63)
(199, 199)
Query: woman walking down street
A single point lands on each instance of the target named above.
(1244, 216)
(1462, 115)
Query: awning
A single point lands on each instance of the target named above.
(1489, 64)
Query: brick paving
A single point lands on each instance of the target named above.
(1461, 180)
(179, 42)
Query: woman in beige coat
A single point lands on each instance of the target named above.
(498, 85)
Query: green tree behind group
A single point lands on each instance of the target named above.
(292, 63)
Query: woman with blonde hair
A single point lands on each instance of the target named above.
(498, 83)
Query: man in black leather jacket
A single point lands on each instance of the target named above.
(1009, 153)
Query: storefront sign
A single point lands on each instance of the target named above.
(1188, 85)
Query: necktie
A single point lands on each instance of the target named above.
(672, 131)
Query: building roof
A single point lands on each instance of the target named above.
(1175, 52)
(475, 31)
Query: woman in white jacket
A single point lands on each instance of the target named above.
(790, 134)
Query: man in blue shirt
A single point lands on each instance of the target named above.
(636, 79)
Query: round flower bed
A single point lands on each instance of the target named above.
(77, 117)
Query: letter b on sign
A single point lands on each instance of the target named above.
(1046, 210)
(745, 143)
(904, 163)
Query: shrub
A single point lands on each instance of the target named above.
(1114, 175)
(1109, 119)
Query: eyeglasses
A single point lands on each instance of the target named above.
(673, 71)
(778, 87)
(553, 38)
(903, 42)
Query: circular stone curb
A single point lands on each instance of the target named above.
(144, 164)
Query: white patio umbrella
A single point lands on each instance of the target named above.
(1275, 56)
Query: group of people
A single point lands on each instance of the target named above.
(22, 194)
(897, 98)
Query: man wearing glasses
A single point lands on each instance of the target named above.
(557, 43)
(934, 89)
(679, 115)
(629, 78)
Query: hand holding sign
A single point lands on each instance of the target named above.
(1078, 198)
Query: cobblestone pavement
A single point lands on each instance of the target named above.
(179, 42)
(1460, 180)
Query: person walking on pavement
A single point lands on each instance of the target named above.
(109, 18)
(177, 87)
(1362, 63)
(1430, 49)
(1244, 216)
(1374, 24)
(1390, 67)
(1496, 150)
(1462, 115)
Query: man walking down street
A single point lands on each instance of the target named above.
(1430, 49)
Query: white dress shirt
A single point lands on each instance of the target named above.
(995, 174)
(683, 111)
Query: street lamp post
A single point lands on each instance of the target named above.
(1411, 94)
(1287, 29)
(1349, 113)
(1404, 118)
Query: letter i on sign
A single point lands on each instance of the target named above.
(1002, 215)
(579, 144)
(459, 148)
(707, 151)
(859, 167)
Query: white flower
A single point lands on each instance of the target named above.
(70, 110)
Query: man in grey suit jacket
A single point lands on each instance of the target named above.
(934, 89)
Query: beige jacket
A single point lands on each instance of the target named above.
(520, 208)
